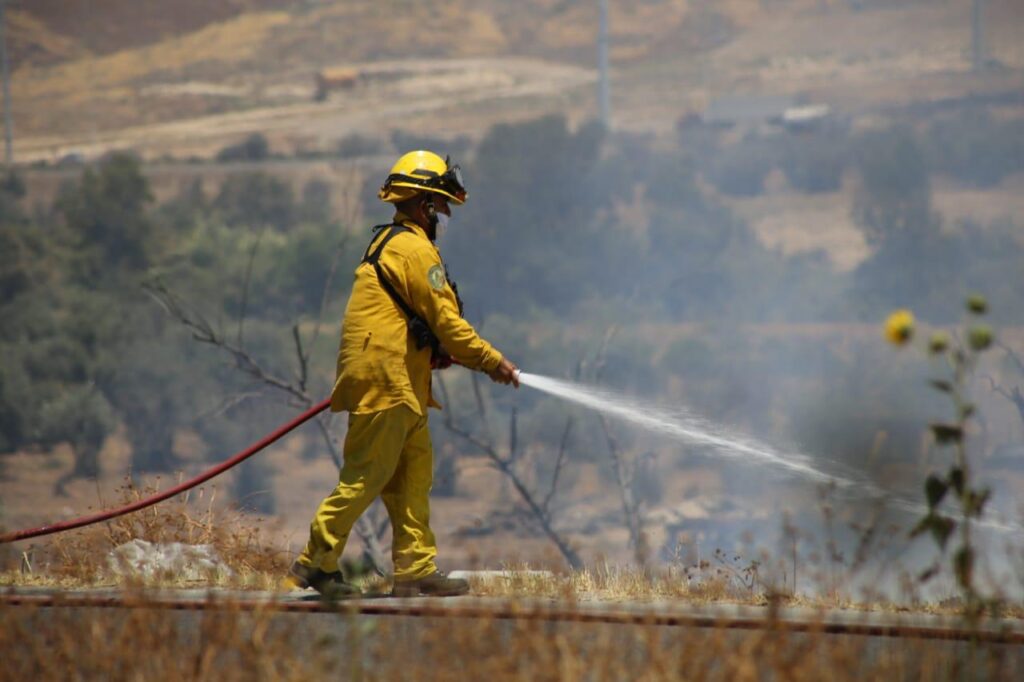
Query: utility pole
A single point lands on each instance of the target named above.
(978, 35)
(8, 138)
(603, 92)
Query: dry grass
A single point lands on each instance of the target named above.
(79, 558)
(232, 40)
(629, 584)
(145, 643)
(616, 583)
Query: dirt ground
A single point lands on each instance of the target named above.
(427, 90)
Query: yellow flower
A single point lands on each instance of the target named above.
(899, 327)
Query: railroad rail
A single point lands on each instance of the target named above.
(727, 617)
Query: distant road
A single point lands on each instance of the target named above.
(424, 88)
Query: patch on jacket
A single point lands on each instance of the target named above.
(436, 277)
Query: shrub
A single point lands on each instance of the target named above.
(895, 196)
(406, 142)
(976, 149)
(252, 148)
(357, 145)
(814, 162)
(740, 170)
(256, 199)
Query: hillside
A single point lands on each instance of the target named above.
(43, 30)
(134, 65)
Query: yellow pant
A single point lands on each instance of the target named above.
(387, 453)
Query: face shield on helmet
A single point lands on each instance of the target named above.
(451, 182)
(423, 171)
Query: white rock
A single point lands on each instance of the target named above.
(499, 575)
(146, 560)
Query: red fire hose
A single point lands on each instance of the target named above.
(160, 497)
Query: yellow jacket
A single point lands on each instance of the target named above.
(379, 366)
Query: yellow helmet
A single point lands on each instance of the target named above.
(423, 171)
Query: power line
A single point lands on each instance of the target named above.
(603, 89)
(8, 135)
(978, 35)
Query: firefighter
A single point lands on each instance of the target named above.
(403, 319)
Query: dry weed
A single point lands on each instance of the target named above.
(80, 557)
(152, 643)
(608, 582)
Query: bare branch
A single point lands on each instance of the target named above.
(332, 448)
(630, 508)
(228, 404)
(350, 210)
(1014, 395)
(326, 294)
(624, 472)
(599, 358)
(996, 388)
(478, 394)
(303, 367)
(542, 517)
(513, 436)
(245, 286)
(449, 408)
(1010, 353)
(477, 442)
(505, 466)
(559, 463)
(204, 333)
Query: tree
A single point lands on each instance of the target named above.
(82, 417)
(814, 161)
(252, 148)
(181, 213)
(316, 202)
(532, 235)
(976, 149)
(105, 216)
(12, 191)
(255, 200)
(740, 170)
(895, 195)
(46, 390)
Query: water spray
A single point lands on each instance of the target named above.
(682, 425)
(679, 425)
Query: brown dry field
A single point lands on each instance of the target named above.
(191, 91)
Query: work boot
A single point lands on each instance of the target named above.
(436, 584)
(330, 585)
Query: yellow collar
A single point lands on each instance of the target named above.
(402, 219)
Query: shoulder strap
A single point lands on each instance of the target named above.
(373, 258)
(418, 327)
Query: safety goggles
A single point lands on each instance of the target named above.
(451, 181)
